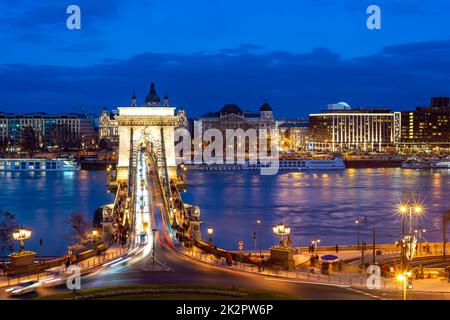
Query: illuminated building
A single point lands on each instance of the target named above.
(427, 127)
(80, 127)
(340, 129)
(293, 134)
(232, 117)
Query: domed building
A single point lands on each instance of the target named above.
(231, 116)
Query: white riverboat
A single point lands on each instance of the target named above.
(302, 164)
(283, 164)
(39, 164)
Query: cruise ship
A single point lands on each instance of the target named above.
(60, 164)
(284, 164)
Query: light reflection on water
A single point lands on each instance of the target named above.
(320, 204)
(43, 201)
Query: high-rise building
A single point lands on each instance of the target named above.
(426, 127)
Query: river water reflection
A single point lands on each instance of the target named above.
(44, 201)
(315, 204)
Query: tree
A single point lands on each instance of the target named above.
(8, 224)
(62, 137)
(29, 139)
(79, 227)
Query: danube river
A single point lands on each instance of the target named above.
(315, 204)
(44, 202)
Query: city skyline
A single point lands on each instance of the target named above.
(295, 56)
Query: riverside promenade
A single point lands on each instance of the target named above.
(354, 277)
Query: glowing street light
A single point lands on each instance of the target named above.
(409, 208)
(357, 230)
(259, 222)
(21, 235)
(403, 277)
(210, 231)
(283, 231)
(94, 235)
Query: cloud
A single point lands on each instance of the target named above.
(38, 21)
(399, 77)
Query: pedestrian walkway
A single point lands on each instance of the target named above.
(87, 265)
(358, 281)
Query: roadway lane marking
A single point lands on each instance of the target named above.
(330, 285)
(366, 293)
(311, 282)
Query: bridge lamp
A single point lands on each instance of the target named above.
(210, 231)
(94, 235)
(22, 235)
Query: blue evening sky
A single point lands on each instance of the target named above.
(298, 54)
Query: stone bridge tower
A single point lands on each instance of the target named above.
(140, 125)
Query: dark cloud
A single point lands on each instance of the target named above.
(39, 21)
(399, 77)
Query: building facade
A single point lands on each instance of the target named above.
(45, 128)
(294, 134)
(426, 127)
(232, 117)
(109, 128)
(352, 129)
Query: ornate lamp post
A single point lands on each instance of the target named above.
(283, 254)
(409, 209)
(21, 235)
(283, 231)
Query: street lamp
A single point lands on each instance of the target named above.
(403, 277)
(210, 231)
(94, 234)
(357, 230)
(409, 209)
(283, 231)
(21, 235)
(315, 243)
(260, 236)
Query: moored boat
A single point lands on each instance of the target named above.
(38, 164)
